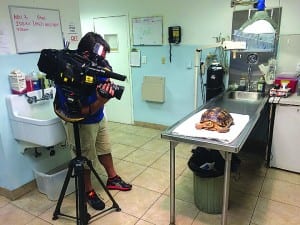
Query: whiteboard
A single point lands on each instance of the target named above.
(35, 28)
(147, 30)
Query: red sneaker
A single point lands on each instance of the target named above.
(94, 201)
(116, 183)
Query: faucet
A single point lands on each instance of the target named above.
(34, 99)
(252, 58)
(31, 99)
(249, 77)
(47, 96)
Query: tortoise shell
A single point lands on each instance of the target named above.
(215, 119)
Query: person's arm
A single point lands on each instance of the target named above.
(100, 101)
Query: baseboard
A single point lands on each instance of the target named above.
(150, 125)
(19, 192)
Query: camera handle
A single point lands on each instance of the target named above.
(76, 166)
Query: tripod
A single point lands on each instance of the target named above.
(76, 165)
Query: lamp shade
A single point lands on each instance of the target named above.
(259, 23)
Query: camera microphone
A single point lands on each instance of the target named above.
(106, 73)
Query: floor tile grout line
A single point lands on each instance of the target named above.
(283, 181)
(258, 197)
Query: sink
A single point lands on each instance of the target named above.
(35, 123)
(245, 95)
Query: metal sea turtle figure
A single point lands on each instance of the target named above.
(215, 119)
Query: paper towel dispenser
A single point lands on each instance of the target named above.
(153, 89)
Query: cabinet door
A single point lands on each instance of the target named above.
(286, 138)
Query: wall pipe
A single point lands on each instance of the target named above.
(197, 69)
(196, 74)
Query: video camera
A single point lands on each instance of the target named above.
(68, 68)
(75, 78)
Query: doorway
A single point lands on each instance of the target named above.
(115, 30)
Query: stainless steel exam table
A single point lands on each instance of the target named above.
(253, 108)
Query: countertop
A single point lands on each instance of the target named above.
(293, 99)
(251, 108)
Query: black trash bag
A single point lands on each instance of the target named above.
(220, 161)
(210, 163)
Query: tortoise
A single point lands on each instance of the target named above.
(215, 119)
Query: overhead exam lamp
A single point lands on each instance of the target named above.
(260, 21)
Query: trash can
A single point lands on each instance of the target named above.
(208, 194)
(208, 168)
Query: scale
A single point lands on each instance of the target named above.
(280, 92)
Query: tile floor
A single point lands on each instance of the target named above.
(258, 195)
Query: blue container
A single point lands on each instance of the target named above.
(36, 83)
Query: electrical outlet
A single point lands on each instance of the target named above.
(144, 59)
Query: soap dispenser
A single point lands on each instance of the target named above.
(35, 81)
(261, 84)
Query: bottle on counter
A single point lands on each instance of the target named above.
(29, 84)
(261, 84)
(17, 82)
(242, 86)
(41, 79)
(35, 81)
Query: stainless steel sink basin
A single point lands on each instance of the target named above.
(245, 95)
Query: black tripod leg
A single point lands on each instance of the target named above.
(77, 164)
(81, 210)
(63, 191)
(115, 204)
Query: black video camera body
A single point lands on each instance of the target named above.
(77, 77)
(66, 67)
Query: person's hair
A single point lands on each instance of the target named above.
(88, 41)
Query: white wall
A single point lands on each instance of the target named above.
(69, 13)
(200, 20)
(16, 169)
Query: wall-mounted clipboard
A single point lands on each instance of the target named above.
(135, 58)
(147, 30)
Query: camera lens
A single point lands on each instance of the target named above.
(118, 91)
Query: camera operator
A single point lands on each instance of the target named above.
(94, 137)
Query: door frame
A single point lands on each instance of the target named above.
(129, 78)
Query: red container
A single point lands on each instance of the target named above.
(291, 82)
(29, 85)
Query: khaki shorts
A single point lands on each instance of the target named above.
(94, 139)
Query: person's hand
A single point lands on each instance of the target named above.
(105, 90)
